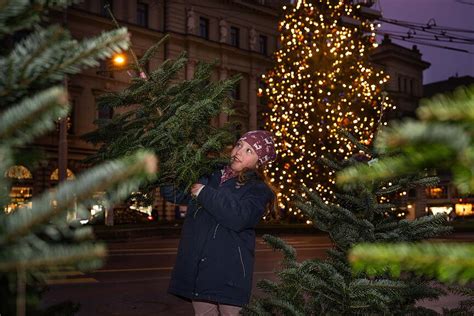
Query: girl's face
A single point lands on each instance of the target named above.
(243, 156)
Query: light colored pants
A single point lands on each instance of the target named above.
(211, 309)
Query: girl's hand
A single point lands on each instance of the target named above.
(195, 189)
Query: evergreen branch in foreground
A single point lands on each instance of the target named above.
(457, 107)
(119, 174)
(89, 255)
(30, 11)
(444, 261)
(33, 116)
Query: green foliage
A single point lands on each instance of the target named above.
(17, 15)
(43, 57)
(446, 262)
(38, 240)
(170, 117)
(442, 139)
(361, 213)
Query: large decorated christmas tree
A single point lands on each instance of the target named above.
(322, 81)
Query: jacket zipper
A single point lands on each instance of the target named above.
(241, 260)
(195, 213)
(215, 231)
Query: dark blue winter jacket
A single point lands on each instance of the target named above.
(217, 248)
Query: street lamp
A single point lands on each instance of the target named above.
(119, 60)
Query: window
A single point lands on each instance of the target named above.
(104, 69)
(204, 28)
(142, 14)
(106, 113)
(70, 118)
(439, 192)
(21, 190)
(55, 175)
(20, 196)
(235, 93)
(234, 36)
(18, 172)
(262, 98)
(262, 44)
(103, 7)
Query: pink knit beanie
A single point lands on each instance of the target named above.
(262, 142)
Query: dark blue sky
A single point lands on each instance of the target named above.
(452, 13)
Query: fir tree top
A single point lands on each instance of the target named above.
(322, 80)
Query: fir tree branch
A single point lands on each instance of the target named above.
(26, 258)
(30, 11)
(152, 50)
(134, 169)
(33, 116)
(279, 244)
(446, 262)
(456, 107)
(442, 140)
(54, 56)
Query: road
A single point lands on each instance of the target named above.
(135, 277)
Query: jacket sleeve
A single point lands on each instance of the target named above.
(174, 195)
(236, 213)
(177, 195)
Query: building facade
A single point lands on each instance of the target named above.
(239, 35)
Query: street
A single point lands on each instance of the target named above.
(135, 276)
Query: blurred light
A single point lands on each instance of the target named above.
(119, 59)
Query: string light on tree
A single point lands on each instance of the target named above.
(322, 81)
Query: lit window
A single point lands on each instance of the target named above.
(22, 188)
(18, 172)
(20, 197)
(55, 175)
(439, 192)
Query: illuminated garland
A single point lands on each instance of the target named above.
(322, 80)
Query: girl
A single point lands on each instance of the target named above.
(214, 265)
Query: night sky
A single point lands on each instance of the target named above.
(452, 13)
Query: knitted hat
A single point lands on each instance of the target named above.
(262, 142)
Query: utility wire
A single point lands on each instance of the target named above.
(409, 35)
